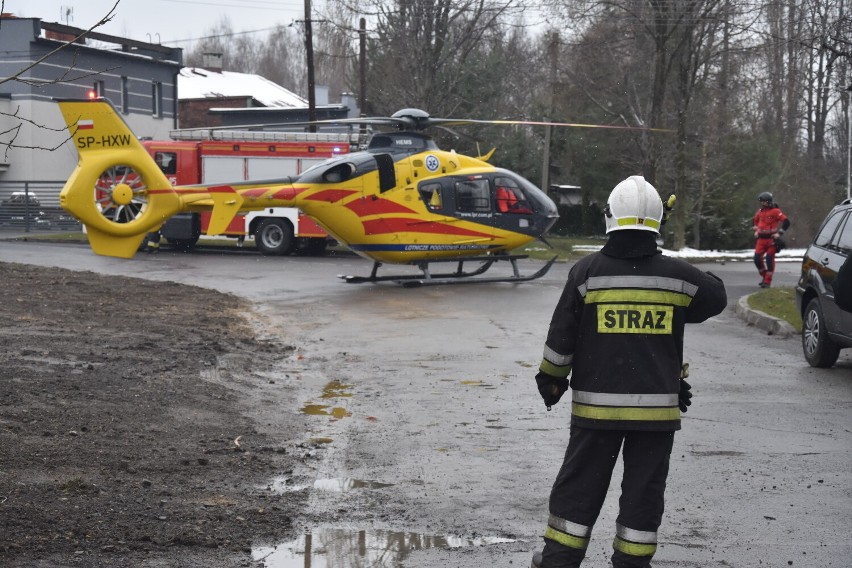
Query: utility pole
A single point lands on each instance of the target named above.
(309, 51)
(545, 166)
(362, 65)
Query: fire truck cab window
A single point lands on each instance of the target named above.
(167, 161)
(473, 196)
(430, 193)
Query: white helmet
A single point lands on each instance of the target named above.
(633, 204)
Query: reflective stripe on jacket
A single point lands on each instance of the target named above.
(618, 329)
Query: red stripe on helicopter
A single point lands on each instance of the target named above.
(256, 192)
(382, 226)
(196, 190)
(331, 195)
(369, 206)
(283, 193)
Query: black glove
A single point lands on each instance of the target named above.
(551, 388)
(684, 397)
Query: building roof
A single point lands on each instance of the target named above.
(199, 83)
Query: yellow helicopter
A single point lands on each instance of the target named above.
(401, 201)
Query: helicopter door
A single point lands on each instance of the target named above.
(387, 173)
(473, 198)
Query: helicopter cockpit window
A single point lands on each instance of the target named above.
(430, 193)
(509, 197)
(167, 161)
(473, 196)
(340, 172)
(340, 168)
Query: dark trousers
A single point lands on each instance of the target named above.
(581, 486)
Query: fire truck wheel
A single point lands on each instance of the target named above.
(274, 237)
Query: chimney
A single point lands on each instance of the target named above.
(212, 62)
(349, 100)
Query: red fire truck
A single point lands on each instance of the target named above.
(211, 156)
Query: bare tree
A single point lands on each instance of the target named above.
(422, 51)
(10, 134)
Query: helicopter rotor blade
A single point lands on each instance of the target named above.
(459, 122)
(416, 119)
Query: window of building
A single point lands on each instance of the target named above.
(125, 95)
(157, 99)
(100, 89)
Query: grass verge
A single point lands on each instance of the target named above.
(779, 303)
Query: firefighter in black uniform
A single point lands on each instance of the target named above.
(618, 332)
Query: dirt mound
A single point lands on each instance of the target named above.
(122, 441)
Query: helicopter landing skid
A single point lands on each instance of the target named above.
(457, 277)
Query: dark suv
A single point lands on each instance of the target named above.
(826, 329)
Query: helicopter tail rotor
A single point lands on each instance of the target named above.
(117, 190)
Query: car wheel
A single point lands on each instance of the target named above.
(820, 350)
(274, 237)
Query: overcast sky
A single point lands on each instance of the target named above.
(174, 20)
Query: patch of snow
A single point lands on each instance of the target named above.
(198, 83)
(786, 255)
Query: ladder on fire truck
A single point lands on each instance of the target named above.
(356, 140)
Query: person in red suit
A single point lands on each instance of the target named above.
(769, 224)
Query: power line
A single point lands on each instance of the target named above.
(229, 34)
(250, 4)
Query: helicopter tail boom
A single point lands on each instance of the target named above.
(118, 191)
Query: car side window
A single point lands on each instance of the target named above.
(844, 240)
(823, 239)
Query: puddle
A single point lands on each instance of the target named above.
(333, 485)
(328, 548)
(334, 389)
(285, 485)
(343, 485)
(336, 412)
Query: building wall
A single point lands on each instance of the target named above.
(194, 113)
(41, 150)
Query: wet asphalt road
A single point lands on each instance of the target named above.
(444, 412)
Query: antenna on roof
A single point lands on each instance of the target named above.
(66, 14)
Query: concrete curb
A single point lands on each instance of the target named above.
(761, 320)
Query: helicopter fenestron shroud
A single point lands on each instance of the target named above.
(401, 201)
